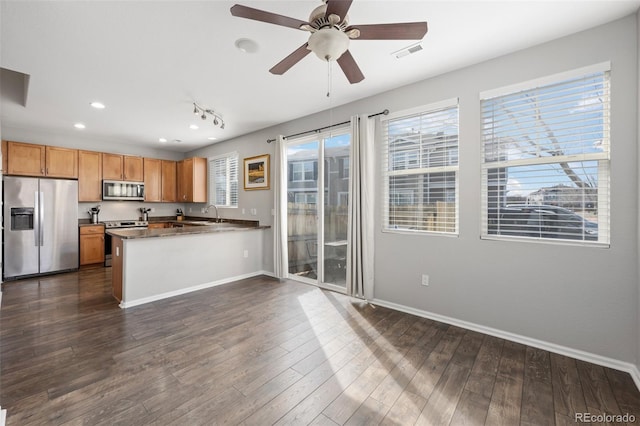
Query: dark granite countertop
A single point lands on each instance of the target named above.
(187, 230)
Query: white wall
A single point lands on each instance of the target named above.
(583, 298)
(155, 268)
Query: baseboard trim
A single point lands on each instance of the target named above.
(540, 344)
(203, 286)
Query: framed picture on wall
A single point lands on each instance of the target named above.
(256, 172)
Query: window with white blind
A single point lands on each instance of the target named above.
(223, 180)
(545, 171)
(420, 166)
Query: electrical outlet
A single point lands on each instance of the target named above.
(425, 280)
(254, 212)
(246, 254)
(243, 211)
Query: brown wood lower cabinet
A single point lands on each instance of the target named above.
(156, 225)
(91, 244)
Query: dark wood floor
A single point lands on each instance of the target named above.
(260, 352)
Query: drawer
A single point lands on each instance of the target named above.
(92, 229)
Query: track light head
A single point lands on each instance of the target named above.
(203, 116)
(215, 120)
(195, 109)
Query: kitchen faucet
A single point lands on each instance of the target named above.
(206, 210)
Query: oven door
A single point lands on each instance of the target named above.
(107, 249)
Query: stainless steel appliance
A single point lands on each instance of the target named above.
(40, 233)
(120, 225)
(120, 190)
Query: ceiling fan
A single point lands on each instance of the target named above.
(331, 33)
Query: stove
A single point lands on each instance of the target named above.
(121, 225)
(124, 224)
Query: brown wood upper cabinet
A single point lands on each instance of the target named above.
(169, 181)
(27, 159)
(152, 180)
(192, 180)
(122, 167)
(61, 162)
(4, 156)
(133, 168)
(112, 166)
(89, 176)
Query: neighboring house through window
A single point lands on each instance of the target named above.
(546, 158)
(420, 166)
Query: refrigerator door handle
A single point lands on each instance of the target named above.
(36, 222)
(41, 219)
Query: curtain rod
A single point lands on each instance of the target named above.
(385, 112)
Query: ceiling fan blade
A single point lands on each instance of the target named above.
(350, 68)
(404, 31)
(260, 15)
(295, 57)
(338, 7)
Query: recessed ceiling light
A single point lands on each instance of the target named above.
(79, 126)
(163, 140)
(212, 138)
(246, 45)
(97, 105)
(193, 127)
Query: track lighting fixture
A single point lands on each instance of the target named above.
(205, 113)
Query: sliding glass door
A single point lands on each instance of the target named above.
(317, 212)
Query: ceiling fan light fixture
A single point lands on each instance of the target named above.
(328, 44)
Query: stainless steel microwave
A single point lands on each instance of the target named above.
(120, 190)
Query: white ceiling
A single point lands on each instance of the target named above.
(148, 61)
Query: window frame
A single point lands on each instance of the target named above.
(212, 196)
(441, 169)
(602, 160)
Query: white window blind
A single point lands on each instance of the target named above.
(420, 166)
(545, 171)
(223, 180)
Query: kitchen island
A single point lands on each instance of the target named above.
(154, 264)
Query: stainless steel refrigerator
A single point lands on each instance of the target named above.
(40, 233)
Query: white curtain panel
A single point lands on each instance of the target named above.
(361, 208)
(280, 247)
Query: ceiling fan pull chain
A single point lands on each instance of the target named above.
(328, 79)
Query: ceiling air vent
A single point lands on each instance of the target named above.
(407, 50)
